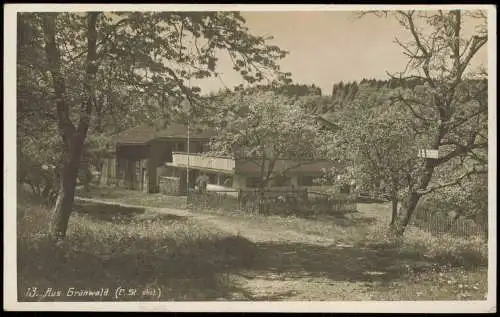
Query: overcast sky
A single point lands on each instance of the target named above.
(326, 47)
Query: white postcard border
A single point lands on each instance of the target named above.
(10, 255)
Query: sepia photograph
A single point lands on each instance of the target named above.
(314, 158)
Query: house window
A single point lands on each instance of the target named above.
(122, 168)
(194, 147)
(253, 182)
(227, 181)
(205, 147)
(200, 147)
(306, 180)
(181, 147)
(212, 178)
(281, 181)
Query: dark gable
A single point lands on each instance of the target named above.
(147, 132)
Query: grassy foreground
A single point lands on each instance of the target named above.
(116, 253)
(159, 253)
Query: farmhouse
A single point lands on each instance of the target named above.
(158, 160)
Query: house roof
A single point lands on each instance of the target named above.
(147, 132)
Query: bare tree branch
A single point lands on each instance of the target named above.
(407, 103)
(426, 55)
(456, 181)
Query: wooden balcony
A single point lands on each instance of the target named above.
(249, 167)
(202, 161)
(244, 166)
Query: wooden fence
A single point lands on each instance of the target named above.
(273, 201)
(372, 196)
(439, 224)
(170, 185)
(332, 203)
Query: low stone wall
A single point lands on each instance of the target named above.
(170, 185)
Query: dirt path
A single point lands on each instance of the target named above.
(319, 260)
(273, 284)
(246, 229)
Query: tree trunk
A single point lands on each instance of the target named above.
(413, 199)
(73, 138)
(394, 215)
(64, 203)
(406, 214)
(394, 200)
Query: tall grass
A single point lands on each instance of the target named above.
(144, 250)
(445, 249)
